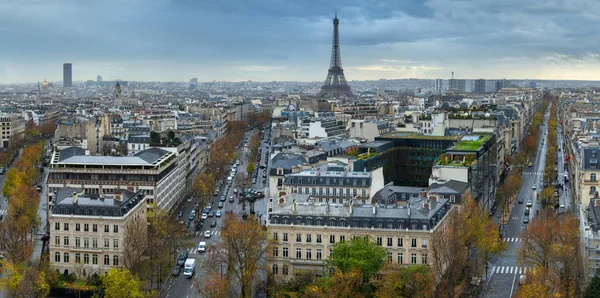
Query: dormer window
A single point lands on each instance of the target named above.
(279, 171)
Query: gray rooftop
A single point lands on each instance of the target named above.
(93, 204)
(146, 157)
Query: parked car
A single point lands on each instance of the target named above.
(213, 223)
(520, 200)
(211, 214)
(204, 216)
(231, 199)
(191, 217)
(182, 257)
(180, 214)
(218, 213)
(220, 205)
(175, 270)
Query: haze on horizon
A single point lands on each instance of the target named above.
(284, 40)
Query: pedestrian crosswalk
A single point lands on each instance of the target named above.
(3, 212)
(533, 173)
(510, 270)
(512, 239)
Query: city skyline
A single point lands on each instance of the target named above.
(285, 41)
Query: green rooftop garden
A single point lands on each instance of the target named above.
(471, 142)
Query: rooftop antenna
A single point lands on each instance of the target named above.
(336, 13)
(453, 75)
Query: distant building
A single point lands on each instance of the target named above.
(194, 81)
(99, 79)
(453, 84)
(368, 129)
(322, 127)
(462, 86)
(479, 86)
(13, 129)
(439, 86)
(67, 75)
(88, 230)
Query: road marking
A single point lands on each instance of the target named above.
(2, 212)
(509, 270)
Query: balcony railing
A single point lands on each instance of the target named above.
(109, 171)
(100, 182)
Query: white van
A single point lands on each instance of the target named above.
(229, 178)
(189, 268)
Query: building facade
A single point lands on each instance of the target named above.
(88, 231)
(154, 171)
(13, 129)
(306, 231)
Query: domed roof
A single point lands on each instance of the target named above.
(45, 83)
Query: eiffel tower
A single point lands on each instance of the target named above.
(335, 85)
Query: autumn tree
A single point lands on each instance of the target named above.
(134, 245)
(411, 281)
(48, 127)
(165, 237)
(121, 283)
(203, 187)
(215, 285)
(242, 248)
(448, 255)
(22, 281)
(339, 284)
(551, 245)
(490, 244)
(359, 254)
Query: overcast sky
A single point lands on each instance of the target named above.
(264, 40)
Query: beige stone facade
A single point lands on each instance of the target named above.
(91, 244)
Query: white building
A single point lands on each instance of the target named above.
(154, 171)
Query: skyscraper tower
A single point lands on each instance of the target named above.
(67, 75)
(335, 84)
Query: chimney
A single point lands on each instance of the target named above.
(294, 205)
(374, 209)
(408, 209)
(74, 196)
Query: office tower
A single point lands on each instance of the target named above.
(99, 79)
(194, 81)
(462, 86)
(335, 84)
(479, 86)
(532, 85)
(438, 86)
(67, 75)
(498, 86)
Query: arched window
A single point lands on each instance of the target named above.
(77, 258)
(115, 260)
(86, 258)
(94, 259)
(106, 260)
(285, 270)
(57, 257)
(275, 269)
(66, 257)
(593, 177)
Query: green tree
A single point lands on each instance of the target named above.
(593, 289)
(120, 283)
(360, 254)
(154, 138)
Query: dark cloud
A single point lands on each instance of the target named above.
(234, 38)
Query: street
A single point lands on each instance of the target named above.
(180, 286)
(504, 272)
